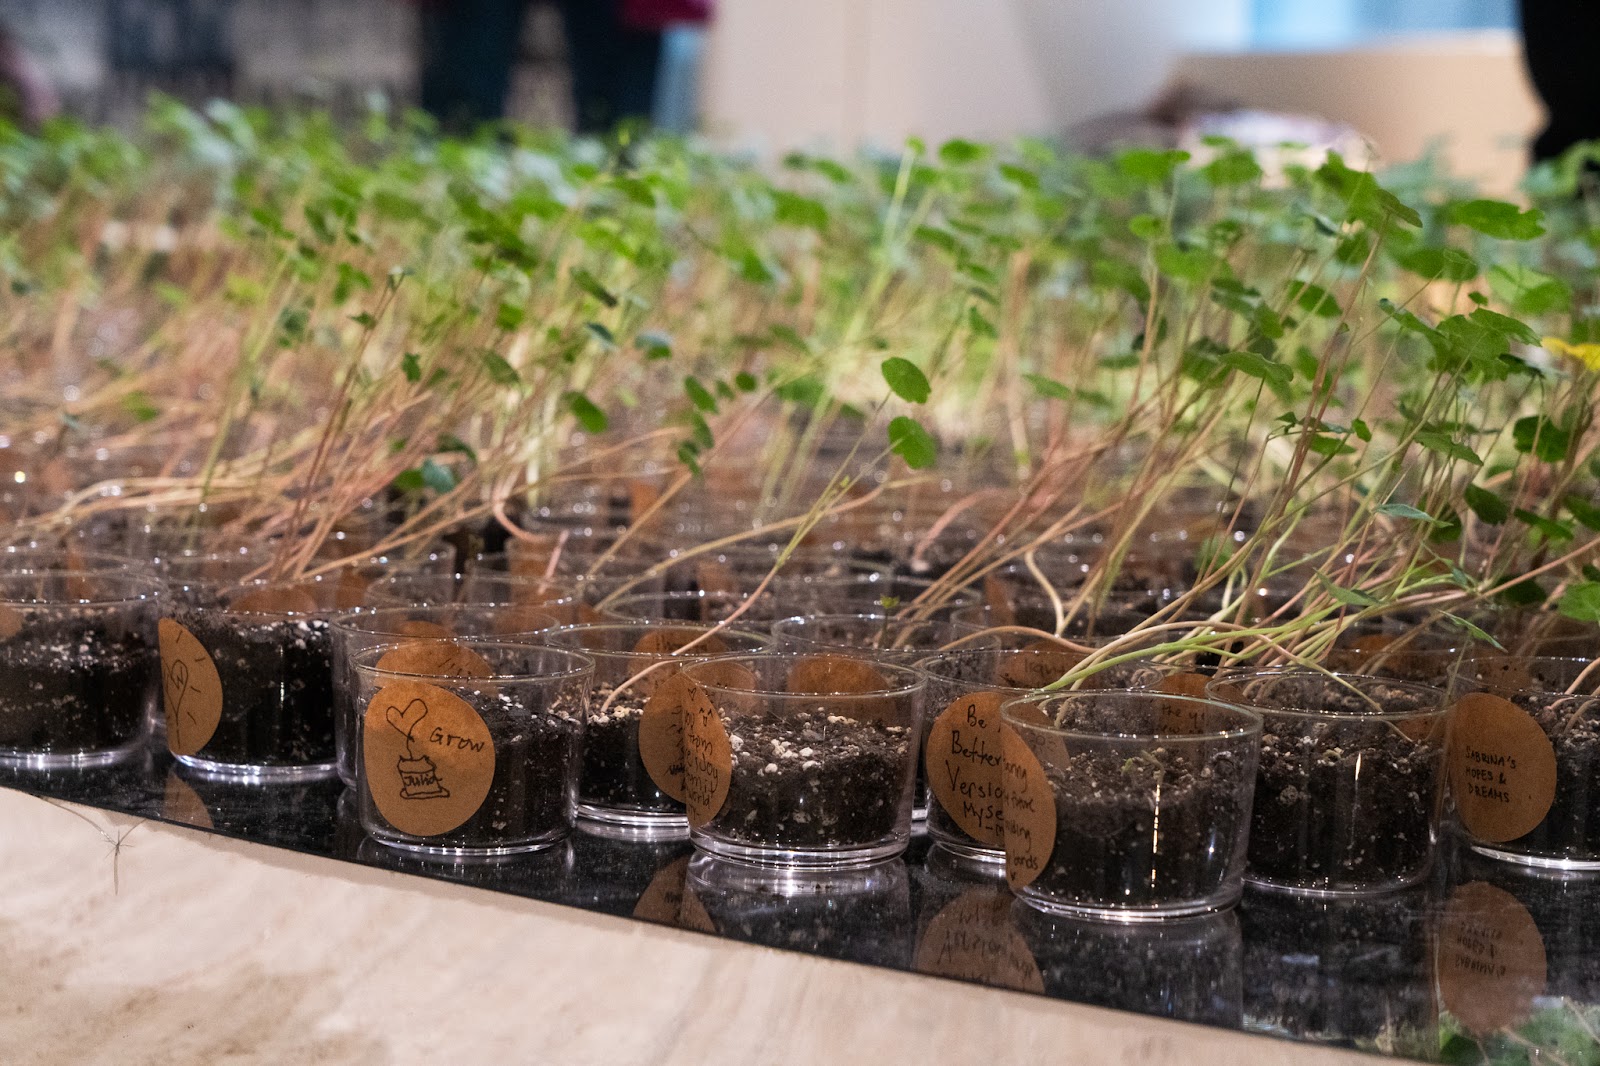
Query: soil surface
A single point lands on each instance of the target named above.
(74, 686)
(815, 780)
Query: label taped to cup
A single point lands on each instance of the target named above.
(434, 657)
(1502, 768)
(10, 622)
(1030, 810)
(191, 691)
(428, 757)
(963, 757)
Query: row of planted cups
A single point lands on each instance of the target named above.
(486, 728)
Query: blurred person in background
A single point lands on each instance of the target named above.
(1560, 39)
(26, 97)
(614, 52)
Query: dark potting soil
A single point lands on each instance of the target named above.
(814, 780)
(1314, 827)
(1108, 849)
(613, 774)
(75, 687)
(1572, 826)
(1344, 971)
(533, 794)
(277, 690)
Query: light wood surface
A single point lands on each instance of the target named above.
(181, 947)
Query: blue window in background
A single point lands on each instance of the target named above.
(1338, 23)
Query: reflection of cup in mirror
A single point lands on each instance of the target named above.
(1352, 972)
(540, 874)
(862, 913)
(615, 871)
(296, 814)
(1189, 969)
(1562, 909)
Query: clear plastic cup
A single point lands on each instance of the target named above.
(1350, 782)
(799, 760)
(367, 627)
(472, 765)
(627, 742)
(1129, 805)
(79, 668)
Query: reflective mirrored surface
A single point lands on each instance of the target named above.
(1486, 962)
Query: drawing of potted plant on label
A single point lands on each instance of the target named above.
(419, 776)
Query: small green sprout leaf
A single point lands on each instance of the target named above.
(906, 380)
(590, 417)
(911, 442)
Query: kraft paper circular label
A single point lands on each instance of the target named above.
(1502, 768)
(1185, 716)
(834, 675)
(973, 939)
(351, 590)
(707, 755)
(1039, 664)
(667, 640)
(715, 577)
(190, 688)
(428, 757)
(414, 627)
(1492, 963)
(1002, 612)
(1030, 810)
(661, 734)
(434, 658)
(279, 599)
(10, 622)
(641, 497)
(1186, 683)
(963, 758)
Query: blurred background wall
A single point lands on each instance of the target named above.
(1410, 74)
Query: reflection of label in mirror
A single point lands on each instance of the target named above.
(972, 939)
(707, 755)
(963, 764)
(1492, 963)
(670, 901)
(191, 691)
(10, 622)
(428, 757)
(182, 804)
(1502, 768)
(1030, 810)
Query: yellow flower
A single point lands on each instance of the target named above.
(1588, 353)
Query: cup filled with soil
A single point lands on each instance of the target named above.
(247, 673)
(876, 635)
(361, 628)
(79, 669)
(631, 748)
(1525, 760)
(1127, 804)
(1350, 781)
(473, 761)
(961, 736)
(798, 760)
